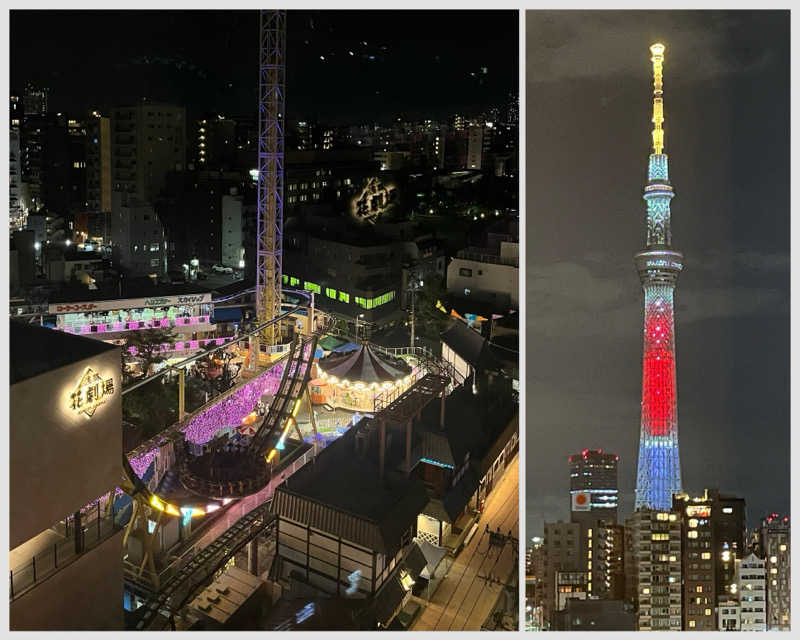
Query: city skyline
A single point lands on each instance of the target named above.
(725, 71)
(366, 72)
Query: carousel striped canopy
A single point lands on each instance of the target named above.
(364, 365)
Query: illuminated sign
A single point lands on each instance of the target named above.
(65, 308)
(129, 303)
(699, 511)
(91, 391)
(373, 201)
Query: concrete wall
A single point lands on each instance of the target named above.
(486, 277)
(60, 460)
(85, 595)
(232, 239)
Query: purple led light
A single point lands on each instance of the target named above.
(191, 344)
(140, 463)
(230, 411)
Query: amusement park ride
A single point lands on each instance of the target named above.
(226, 470)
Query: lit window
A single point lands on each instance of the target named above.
(692, 534)
(783, 547)
(406, 580)
(672, 517)
(693, 523)
(692, 624)
(331, 293)
(344, 297)
(773, 559)
(708, 612)
(310, 286)
(699, 588)
(662, 516)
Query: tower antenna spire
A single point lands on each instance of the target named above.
(657, 51)
(659, 471)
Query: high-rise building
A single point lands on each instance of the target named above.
(35, 100)
(608, 557)
(593, 485)
(659, 473)
(475, 147)
(653, 569)
(593, 505)
(148, 141)
(139, 244)
(562, 554)
(534, 584)
(775, 541)
(215, 143)
(16, 213)
(98, 170)
(713, 538)
(751, 578)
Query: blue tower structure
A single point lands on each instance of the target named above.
(659, 472)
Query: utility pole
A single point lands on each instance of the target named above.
(413, 295)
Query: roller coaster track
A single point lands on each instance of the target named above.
(232, 472)
(200, 570)
(133, 485)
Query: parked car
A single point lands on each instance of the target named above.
(218, 268)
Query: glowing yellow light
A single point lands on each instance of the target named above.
(172, 510)
(657, 51)
(155, 502)
(271, 455)
(296, 409)
(91, 391)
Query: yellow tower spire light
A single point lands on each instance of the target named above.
(657, 51)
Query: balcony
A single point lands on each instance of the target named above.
(56, 548)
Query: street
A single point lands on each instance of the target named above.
(467, 595)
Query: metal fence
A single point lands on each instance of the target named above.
(66, 549)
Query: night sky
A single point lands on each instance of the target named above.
(414, 63)
(726, 101)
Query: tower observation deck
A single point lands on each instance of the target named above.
(659, 472)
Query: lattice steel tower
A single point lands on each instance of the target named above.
(269, 232)
(659, 474)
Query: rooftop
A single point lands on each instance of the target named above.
(35, 350)
(341, 493)
(131, 288)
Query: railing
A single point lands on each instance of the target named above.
(204, 564)
(487, 258)
(25, 576)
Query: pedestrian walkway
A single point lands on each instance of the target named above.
(466, 597)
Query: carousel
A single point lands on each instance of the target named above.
(353, 380)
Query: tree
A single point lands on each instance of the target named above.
(149, 350)
(429, 319)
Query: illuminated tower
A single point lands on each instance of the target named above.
(271, 107)
(659, 474)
